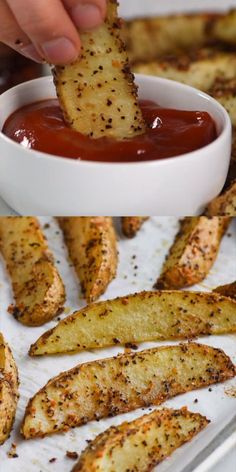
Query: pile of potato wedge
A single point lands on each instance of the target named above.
(131, 380)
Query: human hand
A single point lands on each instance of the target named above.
(48, 30)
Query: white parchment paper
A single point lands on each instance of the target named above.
(140, 261)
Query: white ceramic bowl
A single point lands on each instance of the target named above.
(39, 184)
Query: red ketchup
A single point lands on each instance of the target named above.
(170, 133)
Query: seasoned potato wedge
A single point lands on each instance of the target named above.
(117, 385)
(8, 390)
(225, 204)
(172, 34)
(193, 252)
(224, 91)
(132, 224)
(144, 316)
(141, 444)
(200, 69)
(91, 242)
(97, 93)
(166, 35)
(38, 289)
(228, 290)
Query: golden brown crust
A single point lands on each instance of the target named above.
(132, 224)
(228, 290)
(140, 317)
(8, 390)
(91, 242)
(37, 286)
(142, 443)
(225, 204)
(117, 385)
(97, 92)
(193, 252)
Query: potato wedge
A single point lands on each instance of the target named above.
(193, 252)
(141, 444)
(91, 242)
(175, 33)
(225, 204)
(228, 290)
(145, 316)
(117, 385)
(38, 289)
(97, 93)
(8, 390)
(132, 224)
(200, 69)
(224, 91)
(166, 35)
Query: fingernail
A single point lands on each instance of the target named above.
(31, 53)
(86, 16)
(59, 51)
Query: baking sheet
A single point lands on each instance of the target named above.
(140, 261)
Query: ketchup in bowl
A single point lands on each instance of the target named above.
(170, 133)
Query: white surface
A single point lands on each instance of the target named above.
(35, 183)
(150, 247)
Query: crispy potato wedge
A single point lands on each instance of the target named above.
(8, 390)
(200, 69)
(193, 252)
(132, 224)
(224, 90)
(141, 444)
(173, 34)
(91, 242)
(38, 289)
(225, 204)
(224, 29)
(97, 93)
(228, 290)
(145, 316)
(166, 35)
(117, 385)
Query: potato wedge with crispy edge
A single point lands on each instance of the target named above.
(141, 444)
(132, 224)
(193, 252)
(145, 316)
(225, 204)
(120, 384)
(199, 69)
(8, 390)
(97, 93)
(228, 290)
(38, 289)
(91, 242)
(173, 34)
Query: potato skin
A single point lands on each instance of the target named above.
(91, 243)
(225, 204)
(228, 290)
(142, 443)
(193, 252)
(108, 387)
(9, 384)
(132, 224)
(38, 289)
